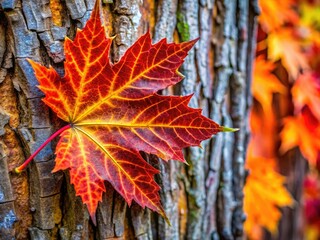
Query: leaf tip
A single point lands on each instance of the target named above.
(93, 219)
(168, 221)
(180, 74)
(227, 129)
(192, 42)
(31, 62)
(97, 6)
(195, 40)
(163, 214)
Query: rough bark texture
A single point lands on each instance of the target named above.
(202, 200)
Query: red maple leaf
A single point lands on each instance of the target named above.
(306, 92)
(114, 111)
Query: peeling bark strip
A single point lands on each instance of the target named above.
(202, 200)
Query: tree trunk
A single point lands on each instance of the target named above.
(202, 200)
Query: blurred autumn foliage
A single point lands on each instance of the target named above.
(285, 114)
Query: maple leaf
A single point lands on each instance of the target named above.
(306, 92)
(265, 83)
(274, 14)
(114, 111)
(303, 131)
(264, 193)
(284, 44)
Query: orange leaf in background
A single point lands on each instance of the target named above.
(303, 131)
(306, 92)
(264, 193)
(114, 111)
(285, 45)
(263, 128)
(274, 14)
(265, 83)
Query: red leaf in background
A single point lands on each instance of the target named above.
(312, 187)
(114, 111)
(313, 55)
(306, 92)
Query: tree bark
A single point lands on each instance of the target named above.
(203, 200)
